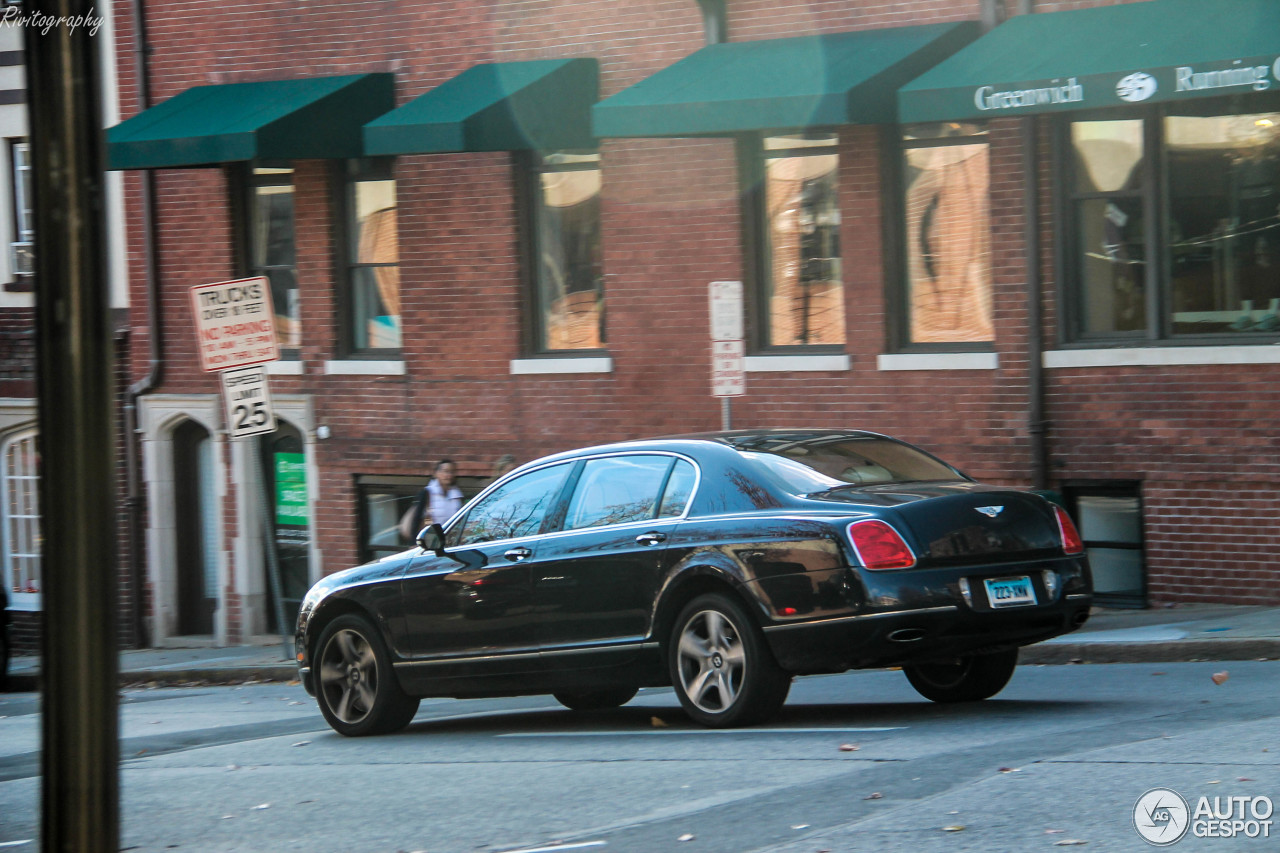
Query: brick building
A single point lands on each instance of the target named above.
(489, 228)
(20, 527)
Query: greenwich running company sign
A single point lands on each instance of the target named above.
(1131, 87)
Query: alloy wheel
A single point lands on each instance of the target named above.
(712, 661)
(349, 676)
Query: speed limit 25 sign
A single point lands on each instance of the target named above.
(244, 390)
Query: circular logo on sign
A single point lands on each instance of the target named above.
(1138, 86)
(1161, 816)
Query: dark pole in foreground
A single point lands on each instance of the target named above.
(80, 783)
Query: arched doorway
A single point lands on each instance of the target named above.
(289, 533)
(195, 529)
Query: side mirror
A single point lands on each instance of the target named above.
(431, 538)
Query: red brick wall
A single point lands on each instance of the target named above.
(671, 225)
(17, 352)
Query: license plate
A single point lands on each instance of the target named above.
(1010, 592)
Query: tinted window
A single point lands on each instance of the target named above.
(516, 508)
(617, 490)
(679, 488)
(818, 466)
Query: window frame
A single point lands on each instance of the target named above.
(21, 208)
(757, 255)
(529, 167)
(1156, 200)
(343, 177)
(20, 600)
(893, 176)
(243, 181)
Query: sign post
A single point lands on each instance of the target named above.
(236, 336)
(728, 374)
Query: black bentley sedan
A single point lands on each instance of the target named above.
(722, 564)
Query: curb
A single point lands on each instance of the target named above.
(29, 682)
(1174, 651)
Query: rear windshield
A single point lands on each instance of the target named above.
(872, 461)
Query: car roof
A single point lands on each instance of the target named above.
(766, 440)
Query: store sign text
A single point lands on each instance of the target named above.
(987, 98)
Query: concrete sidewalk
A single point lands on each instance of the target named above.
(1181, 633)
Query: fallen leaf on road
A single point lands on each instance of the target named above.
(688, 836)
(295, 703)
(261, 807)
(1054, 831)
(1069, 842)
(1214, 782)
(953, 828)
(875, 796)
(140, 752)
(953, 812)
(1010, 769)
(849, 747)
(1245, 779)
(1219, 677)
(657, 722)
(233, 766)
(302, 743)
(801, 826)
(227, 816)
(1159, 673)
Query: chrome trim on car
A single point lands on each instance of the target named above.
(1076, 596)
(858, 617)
(628, 646)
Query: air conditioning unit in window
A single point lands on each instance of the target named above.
(22, 259)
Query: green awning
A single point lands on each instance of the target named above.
(1109, 56)
(499, 106)
(309, 118)
(788, 83)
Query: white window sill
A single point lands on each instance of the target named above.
(292, 367)
(356, 367)
(546, 366)
(795, 363)
(24, 601)
(1161, 356)
(938, 361)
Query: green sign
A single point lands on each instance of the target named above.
(291, 488)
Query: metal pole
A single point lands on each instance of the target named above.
(80, 782)
(726, 413)
(269, 545)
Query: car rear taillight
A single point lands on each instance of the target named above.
(1071, 542)
(878, 546)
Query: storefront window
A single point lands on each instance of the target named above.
(1224, 222)
(373, 258)
(1175, 223)
(569, 292)
(948, 234)
(802, 289)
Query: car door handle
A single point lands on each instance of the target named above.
(651, 538)
(515, 555)
(557, 580)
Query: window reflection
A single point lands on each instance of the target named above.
(569, 270)
(516, 508)
(272, 248)
(617, 491)
(802, 212)
(374, 275)
(948, 233)
(1224, 222)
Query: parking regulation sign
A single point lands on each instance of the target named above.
(248, 401)
(235, 323)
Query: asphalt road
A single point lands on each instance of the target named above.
(856, 762)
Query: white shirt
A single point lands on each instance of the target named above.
(443, 505)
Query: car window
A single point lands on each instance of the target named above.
(871, 461)
(679, 488)
(616, 490)
(516, 508)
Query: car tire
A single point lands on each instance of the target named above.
(723, 671)
(356, 689)
(596, 700)
(967, 679)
